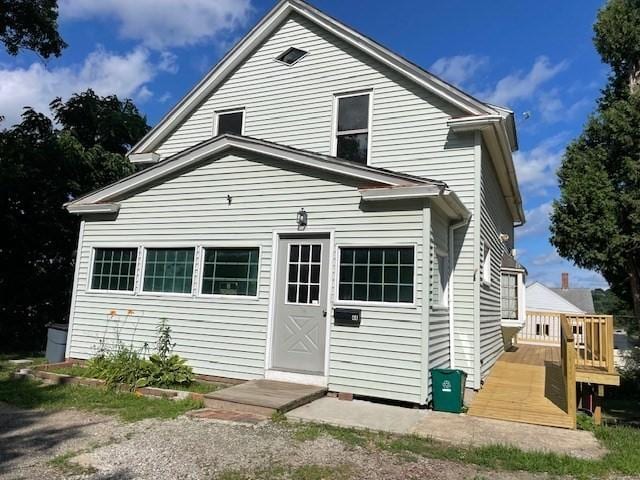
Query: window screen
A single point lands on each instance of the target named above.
(230, 271)
(230, 122)
(168, 270)
(352, 132)
(376, 274)
(114, 269)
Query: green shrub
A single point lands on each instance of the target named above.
(124, 365)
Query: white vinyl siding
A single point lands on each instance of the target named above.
(495, 219)
(409, 132)
(225, 335)
(439, 347)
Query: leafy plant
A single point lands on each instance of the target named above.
(126, 365)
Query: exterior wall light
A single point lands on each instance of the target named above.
(301, 218)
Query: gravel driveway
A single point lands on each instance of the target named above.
(190, 448)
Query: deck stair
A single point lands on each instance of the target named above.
(263, 397)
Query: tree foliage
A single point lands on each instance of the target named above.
(596, 221)
(43, 165)
(30, 25)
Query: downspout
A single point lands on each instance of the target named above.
(452, 340)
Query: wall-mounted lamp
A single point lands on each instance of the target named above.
(301, 218)
(504, 237)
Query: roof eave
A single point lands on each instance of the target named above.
(494, 130)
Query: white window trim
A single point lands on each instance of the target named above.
(334, 127)
(364, 303)
(277, 59)
(443, 300)
(194, 273)
(200, 276)
(520, 294)
(517, 287)
(217, 114)
(485, 272)
(99, 291)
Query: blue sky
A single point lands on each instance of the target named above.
(535, 57)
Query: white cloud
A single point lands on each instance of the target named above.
(553, 109)
(537, 223)
(547, 268)
(160, 24)
(125, 75)
(458, 69)
(520, 85)
(536, 168)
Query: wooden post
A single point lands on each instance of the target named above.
(597, 404)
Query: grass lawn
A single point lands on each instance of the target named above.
(195, 387)
(622, 442)
(128, 406)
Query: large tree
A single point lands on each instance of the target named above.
(30, 25)
(42, 165)
(596, 220)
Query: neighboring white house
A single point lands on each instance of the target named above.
(317, 209)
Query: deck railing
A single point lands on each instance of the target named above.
(593, 341)
(593, 336)
(541, 328)
(568, 364)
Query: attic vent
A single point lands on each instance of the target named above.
(291, 56)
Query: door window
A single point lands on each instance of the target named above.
(303, 273)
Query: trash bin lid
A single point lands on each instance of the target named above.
(58, 326)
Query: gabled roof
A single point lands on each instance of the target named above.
(369, 177)
(542, 298)
(465, 102)
(580, 297)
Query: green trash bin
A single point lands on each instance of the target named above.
(448, 389)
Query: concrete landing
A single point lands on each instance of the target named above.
(263, 397)
(460, 430)
(359, 414)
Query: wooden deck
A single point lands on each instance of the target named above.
(525, 385)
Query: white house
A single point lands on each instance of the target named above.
(317, 209)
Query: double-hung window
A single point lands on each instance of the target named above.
(230, 271)
(168, 270)
(231, 121)
(352, 127)
(509, 292)
(114, 269)
(377, 274)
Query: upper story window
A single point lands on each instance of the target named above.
(486, 263)
(291, 56)
(352, 127)
(231, 121)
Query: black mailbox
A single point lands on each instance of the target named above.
(346, 317)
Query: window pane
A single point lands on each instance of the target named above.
(353, 147)
(353, 112)
(114, 269)
(230, 123)
(304, 259)
(374, 274)
(231, 271)
(292, 55)
(168, 270)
